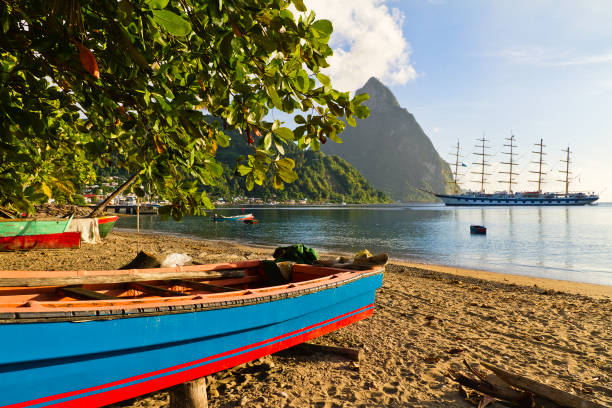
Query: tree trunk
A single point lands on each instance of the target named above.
(191, 394)
(100, 208)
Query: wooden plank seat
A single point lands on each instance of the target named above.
(202, 286)
(81, 293)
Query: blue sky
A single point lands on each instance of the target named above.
(541, 69)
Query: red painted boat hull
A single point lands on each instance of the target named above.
(44, 241)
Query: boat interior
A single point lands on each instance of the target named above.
(146, 290)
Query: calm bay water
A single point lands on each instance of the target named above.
(568, 243)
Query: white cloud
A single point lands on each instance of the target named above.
(367, 41)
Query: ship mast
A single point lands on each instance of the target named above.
(567, 172)
(456, 173)
(483, 163)
(540, 162)
(510, 163)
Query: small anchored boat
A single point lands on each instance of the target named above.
(239, 217)
(92, 338)
(478, 229)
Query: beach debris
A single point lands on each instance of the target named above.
(353, 354)
(175, 259)
(6, 213)
(506, 386)
(359, 262)
(142, 261)
(562, 398)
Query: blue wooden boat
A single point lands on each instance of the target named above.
(92, 338)
(478, 229)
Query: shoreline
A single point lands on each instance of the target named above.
(580, 288)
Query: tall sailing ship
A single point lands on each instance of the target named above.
(510, 197)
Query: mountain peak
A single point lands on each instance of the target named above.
(380, 95)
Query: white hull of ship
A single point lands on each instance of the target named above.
(479, 200)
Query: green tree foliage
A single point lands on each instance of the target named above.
(84, 83)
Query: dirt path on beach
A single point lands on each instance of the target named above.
(425, 323)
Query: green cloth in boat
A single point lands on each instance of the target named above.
(297, 253)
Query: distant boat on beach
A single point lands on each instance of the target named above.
(52, 233)
(509, 197)
(132, 332)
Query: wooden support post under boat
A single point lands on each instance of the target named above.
(191, 394)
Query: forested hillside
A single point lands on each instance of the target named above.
(322, 178)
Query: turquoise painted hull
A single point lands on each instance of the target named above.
(13, 228)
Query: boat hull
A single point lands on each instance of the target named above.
(524, 201)
(240, 217)
(113, 359)
(106, 224)
(11, 228)
(45, 241)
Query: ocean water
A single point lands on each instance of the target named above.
(567, 243)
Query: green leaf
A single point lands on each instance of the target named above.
(171, 22)
(334, 136)
(278, 183)
(299, 5)
(46, 190)
(322, 28)
(279, 147)
(351, 121)
(276, 101)
(324, 79)
(362, 112)
(315, 145)
(267, 141)
(288, 176)
(284, 133)
(285, 164)
(206, 201)
(250, 182)
(358, 99)
(157, 4)
(243, 170)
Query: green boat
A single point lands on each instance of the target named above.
(43, 226)
(39, 226)
(106, 224)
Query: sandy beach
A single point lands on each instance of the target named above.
(427, 320)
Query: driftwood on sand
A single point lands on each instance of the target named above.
(499, 385)
(350, 353)
(564, 399)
